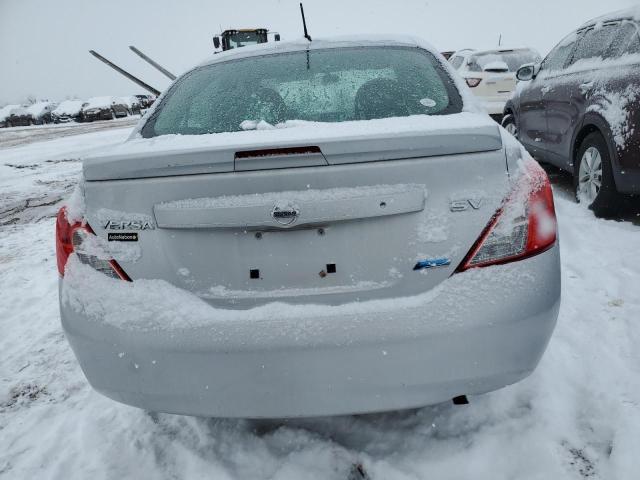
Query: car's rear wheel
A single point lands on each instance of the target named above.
(509, 124)
(593, 177)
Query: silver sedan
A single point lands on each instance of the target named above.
(303, 229)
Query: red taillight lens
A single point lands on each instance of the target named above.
(524, 226)
(473, 82)
(70, 239)
(64, 247)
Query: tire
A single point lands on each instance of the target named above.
(510, 125)
(593, 177)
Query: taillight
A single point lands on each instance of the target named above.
(77, 238)
(525, 224)
(473, 82)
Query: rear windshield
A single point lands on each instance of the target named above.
(333, 85)
(514, 60)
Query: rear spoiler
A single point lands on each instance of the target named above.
(155, 162)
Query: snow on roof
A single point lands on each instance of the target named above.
(18, 110)
(627, 13)
(38, 108)
(129, 101)
(69, 107)
(302, 44)
(6, 111)
(99, 102)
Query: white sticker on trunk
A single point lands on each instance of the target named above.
(428, 102)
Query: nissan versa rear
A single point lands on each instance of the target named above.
(303, 229)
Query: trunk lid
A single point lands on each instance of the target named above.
(345, 142)
(346, 220)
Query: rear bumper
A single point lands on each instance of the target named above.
(480, 332)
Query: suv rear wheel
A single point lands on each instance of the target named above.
(593, 176)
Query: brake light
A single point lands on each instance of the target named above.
(473, 82)
(76, 238)
(524, 226)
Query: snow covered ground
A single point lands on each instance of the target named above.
(577, 416)
(11, 137)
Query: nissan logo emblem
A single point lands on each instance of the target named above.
(285, 215)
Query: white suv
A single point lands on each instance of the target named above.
(491, 74)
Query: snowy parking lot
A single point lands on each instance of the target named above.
(577, 416)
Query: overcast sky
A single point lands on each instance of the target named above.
(44, 43)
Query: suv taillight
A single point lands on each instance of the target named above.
(473, 82)
(525, 225)
(73, 238)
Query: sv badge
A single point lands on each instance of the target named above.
(465, 204)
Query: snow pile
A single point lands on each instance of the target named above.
(94, 246)
(148, 305)
(68, 107)
(220, 291)
(263, 125)
(260, 125)
(75, 206)
(286, 197)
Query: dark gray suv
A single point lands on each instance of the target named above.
(579, 109)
